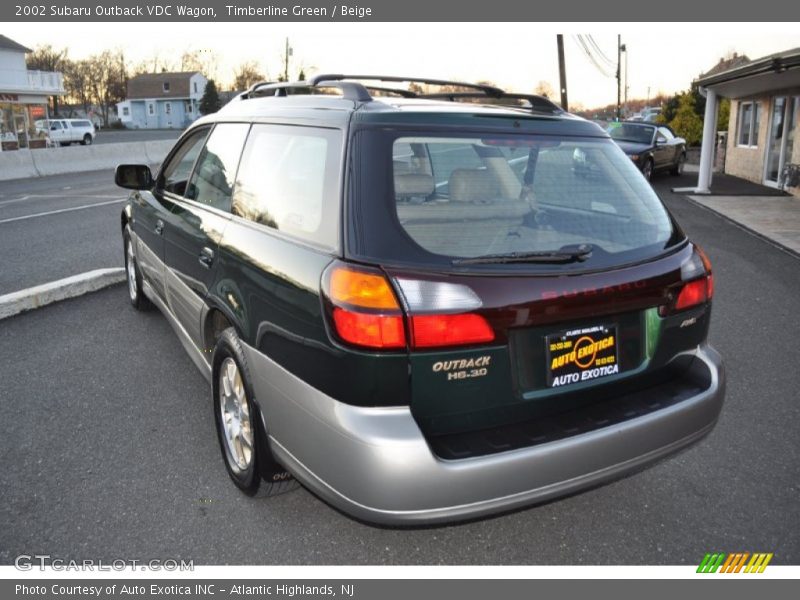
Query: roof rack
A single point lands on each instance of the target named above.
(489, 90)
(358, 92)
(350, 90)
(538, 103)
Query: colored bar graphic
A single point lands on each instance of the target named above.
(741, 562)
(711, 562)
(734, 563)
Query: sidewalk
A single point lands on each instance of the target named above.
(764, 211)
(774, 218)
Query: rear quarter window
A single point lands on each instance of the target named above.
(289, 181)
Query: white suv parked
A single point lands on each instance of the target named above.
(67, 131)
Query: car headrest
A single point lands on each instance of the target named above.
(412, 185)
(472, 185)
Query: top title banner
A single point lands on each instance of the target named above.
(398, 10)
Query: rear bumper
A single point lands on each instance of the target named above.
(375, 464)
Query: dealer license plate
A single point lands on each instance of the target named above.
(583, 354)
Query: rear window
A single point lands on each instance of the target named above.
(457, 197)
(81, 124)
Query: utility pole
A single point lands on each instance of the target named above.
(562, 72)
(625, 49)
(287, 53)
(619, 78)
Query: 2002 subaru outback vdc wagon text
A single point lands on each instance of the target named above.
(421, 306)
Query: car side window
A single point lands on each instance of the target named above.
(213, 177)
(176, 173)
(289, 180)
(665, 134)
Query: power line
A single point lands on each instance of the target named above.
(583, 45)
(599, 51)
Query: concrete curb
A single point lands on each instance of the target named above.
(55, 291)
(772, 242)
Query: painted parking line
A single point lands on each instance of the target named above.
(61, 210)
(59, 196)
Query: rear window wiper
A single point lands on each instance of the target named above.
(566, 254)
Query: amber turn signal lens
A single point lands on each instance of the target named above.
(364, 290)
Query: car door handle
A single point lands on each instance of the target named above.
(206, 257)
(159, 227)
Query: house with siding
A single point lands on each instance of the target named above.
(764, 124)
(162, 100)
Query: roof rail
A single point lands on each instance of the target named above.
(358, 92)
(538, 103)
(350, 90)
(488, 90)
(390, 90)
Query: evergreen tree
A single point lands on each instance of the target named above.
(686, 123)
(210, 102)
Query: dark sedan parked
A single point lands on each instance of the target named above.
(651, 147)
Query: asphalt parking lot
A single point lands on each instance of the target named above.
(109, 450)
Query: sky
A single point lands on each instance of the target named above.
(662, 57)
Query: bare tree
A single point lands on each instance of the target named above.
(543, 88)
(77, 83)
(202, 60)
(246, 74)
(108, 80)
(154, 64)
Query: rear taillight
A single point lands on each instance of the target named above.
(430, 331)
(366, 312)
(697, 287)
(370, 331)
(692, 294)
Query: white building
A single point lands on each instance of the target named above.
(23, 97)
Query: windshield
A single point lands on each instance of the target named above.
(628, 132)
(456, 197)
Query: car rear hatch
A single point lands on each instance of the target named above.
(534, 275)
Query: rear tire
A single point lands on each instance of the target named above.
(241, 436)
(133, 276)
(647, 169)
(87, 140)
(677, 168)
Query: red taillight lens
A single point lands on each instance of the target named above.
(366, 312)
(692, 294)
(369, 330)
(449, 330)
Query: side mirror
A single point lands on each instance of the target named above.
(660, 141)
(133, 177)
(53, 127)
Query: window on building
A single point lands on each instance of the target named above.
(166, 86)
(168, 108)
(151, 109)
(187, 107)
(126, 111)
(749, 118)
(194, 86)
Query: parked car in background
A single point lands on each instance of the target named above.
(651, 147)
(649, 115)
(66, 131)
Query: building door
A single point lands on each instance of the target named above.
(21, 125)
(780, 138)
